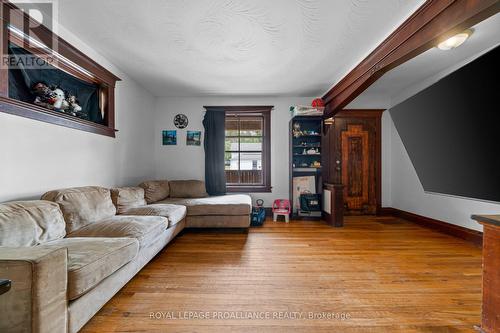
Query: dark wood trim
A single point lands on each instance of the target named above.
(36, 112)
(46, 36)
(434, 21)
(336, 219)
(377, 114)
(241, 108)
(68, 59)
(490, 318)
(473, 236)
(360, 113)
(249, 189)
(265, 110)
(487, 219)
(4, 71)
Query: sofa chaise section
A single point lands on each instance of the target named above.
(203, 211)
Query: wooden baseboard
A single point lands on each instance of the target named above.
(473, 236)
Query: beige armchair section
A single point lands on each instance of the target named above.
(37, 301)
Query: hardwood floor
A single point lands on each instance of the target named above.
(382, 273)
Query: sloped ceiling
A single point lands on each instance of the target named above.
(235, 47)
(427, 68)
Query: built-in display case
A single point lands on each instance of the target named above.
(43, 77)
(305, 161)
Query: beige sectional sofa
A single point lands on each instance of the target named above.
(70, 252)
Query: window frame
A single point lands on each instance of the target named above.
(265, 111)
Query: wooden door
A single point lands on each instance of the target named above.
(356, 164)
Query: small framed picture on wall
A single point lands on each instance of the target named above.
(169, 138)
(193, 138)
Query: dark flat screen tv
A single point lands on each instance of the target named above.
(451, 131)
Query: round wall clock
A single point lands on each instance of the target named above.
(181, 121)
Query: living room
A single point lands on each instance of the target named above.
(236, 166)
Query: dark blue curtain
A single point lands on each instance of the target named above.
(215, 177)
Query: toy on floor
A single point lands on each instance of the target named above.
(282, 207)
(258, 214)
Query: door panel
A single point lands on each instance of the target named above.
(355, 149)
(355, 166)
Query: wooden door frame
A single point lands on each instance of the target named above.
(434, 21)
(377, 115)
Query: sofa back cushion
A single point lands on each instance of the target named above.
(125, 198)
(155, 190)
(82, 205)
(187, 189)
(29, 223)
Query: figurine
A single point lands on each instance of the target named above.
(73, 107)
(60, 103)
(316, 164)
(55, 98)
(296, 130)
(45, 96)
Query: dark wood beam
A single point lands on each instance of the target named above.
(433, 22)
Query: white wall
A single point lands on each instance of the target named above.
(38, 156)
(409, 195)
(401, 187)
(188, 162)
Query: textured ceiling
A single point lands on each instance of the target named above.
(235, 47)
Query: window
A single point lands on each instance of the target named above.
(248, 149)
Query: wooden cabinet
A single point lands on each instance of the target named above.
(333, 204)
(490, 316)
(305, 160)
(353, 143)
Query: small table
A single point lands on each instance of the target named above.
(490, 316)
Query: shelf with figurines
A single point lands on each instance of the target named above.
(45, 78)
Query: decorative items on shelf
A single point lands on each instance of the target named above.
(305, 176)
(309, 144)
(297, 132)
(303, 110)
(55, 98)
(316, 164)
(312, 151)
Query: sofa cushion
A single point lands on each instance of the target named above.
(82, 205)
(232, 204)
(144, 228)
(127, 197)
(155, 190)
(91, 260)
(174, 213)
(28, 223)
(187, 189)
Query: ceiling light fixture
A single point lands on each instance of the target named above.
(455, 41)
